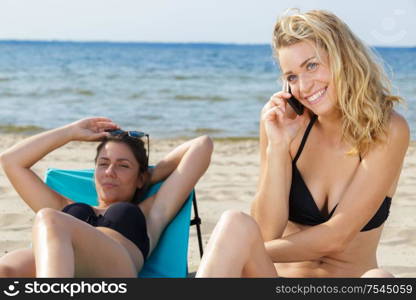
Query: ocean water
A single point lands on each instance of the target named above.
(168, 90)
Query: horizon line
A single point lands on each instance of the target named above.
(165, 42)
(127, 41)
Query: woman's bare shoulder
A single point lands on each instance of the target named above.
(397, 142)
(398, 130)
(397, 121)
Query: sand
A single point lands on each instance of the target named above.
(230, 183)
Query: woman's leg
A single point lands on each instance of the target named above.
(18, 263)
(236, 249)
(65, 246)
(379, 273)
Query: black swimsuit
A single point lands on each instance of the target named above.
(302, 206)
(124, 217)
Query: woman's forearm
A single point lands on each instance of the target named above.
(309, 244)
(169, 163)
(270, 206)
(26, 153)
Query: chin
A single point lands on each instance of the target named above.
(331, 112)
(109, 198)
(327, 109)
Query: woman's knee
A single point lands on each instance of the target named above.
(49, 218)
(377, 273)
(237, 223)
(18, 263)
(235, 218)
(47, 214)
(7, 271)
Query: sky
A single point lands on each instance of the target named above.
(377, 22)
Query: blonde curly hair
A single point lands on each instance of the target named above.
(363, 89)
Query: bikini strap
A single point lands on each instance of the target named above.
(304, 138)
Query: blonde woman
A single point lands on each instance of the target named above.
(327, 176)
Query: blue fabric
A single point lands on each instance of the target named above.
(169, 258)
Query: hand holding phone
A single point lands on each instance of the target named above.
(294, 103)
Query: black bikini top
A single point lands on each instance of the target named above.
(302, 206)
(124, 217)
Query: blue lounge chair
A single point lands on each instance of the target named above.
(169, 258)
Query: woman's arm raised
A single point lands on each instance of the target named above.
(182, 168)
(359, 203)
(170, 162)
(18, 160)
(270, 206)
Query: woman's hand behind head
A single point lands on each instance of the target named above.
(91, 129)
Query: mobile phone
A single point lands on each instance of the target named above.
(296, 105)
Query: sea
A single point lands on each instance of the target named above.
(170, 90)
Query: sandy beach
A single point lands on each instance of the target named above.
(230, 183)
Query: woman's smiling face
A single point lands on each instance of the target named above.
(306, 68)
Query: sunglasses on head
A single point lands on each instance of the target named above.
(132, 134)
